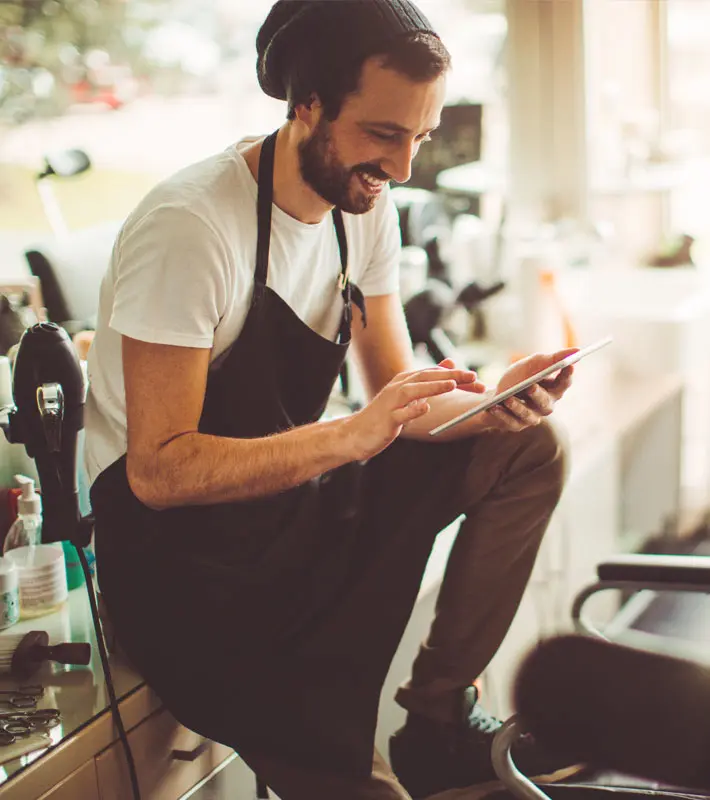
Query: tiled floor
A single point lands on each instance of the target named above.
(234, 782)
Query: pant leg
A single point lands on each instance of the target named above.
(297, 783)
(510, 489)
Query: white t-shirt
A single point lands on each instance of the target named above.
(182, 273)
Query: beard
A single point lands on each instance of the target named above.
(326, 174)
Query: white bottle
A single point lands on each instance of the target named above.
(9, 594)
(545, 327)
(26, 530)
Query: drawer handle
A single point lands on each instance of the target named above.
(191, 755)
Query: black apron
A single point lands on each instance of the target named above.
(230, 611)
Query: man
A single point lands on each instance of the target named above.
(259, 565)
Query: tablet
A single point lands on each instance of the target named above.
(520, 387)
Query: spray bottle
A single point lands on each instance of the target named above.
(26, 530)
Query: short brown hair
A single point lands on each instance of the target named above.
(419, 56)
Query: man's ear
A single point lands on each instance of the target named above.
(309, 114)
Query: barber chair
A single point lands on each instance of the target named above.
(638, 707)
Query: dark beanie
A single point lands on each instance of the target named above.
(324, 32)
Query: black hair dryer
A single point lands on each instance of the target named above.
(47, 415)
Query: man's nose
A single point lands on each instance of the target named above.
(399, 164)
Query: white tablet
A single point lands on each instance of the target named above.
(520, 387)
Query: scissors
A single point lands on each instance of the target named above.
(22, 697)
(24, 723)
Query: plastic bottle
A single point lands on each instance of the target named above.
(26, 530)
(41, 568)
(9, 594)
(43, 578)
(75, 574)
(545, 323)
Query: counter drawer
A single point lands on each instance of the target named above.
(81, 783)
(169, 758)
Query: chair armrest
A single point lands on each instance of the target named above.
(657, 569)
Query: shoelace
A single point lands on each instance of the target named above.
(478, 719)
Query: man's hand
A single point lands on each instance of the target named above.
(402, 400)
(529, 408)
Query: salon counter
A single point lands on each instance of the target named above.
(85, 759)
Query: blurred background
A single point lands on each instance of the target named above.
(563, 199)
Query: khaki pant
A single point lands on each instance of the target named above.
(508, 493)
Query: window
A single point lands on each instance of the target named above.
(687, 114)
(147, 86)
(648, 121)
(628, 187)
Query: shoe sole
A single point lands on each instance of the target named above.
(480, 790)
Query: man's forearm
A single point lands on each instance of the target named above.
(444, 408)
(195, 468)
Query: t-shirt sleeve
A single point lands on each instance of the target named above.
(170, 270)
(381, 275)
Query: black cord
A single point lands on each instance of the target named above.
(103, 654)
(107, 674)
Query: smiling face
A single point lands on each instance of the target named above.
(348, 161)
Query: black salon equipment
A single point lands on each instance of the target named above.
(426, 313)
(46, 417)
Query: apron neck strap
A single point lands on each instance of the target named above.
(343, 247)
(265, 199)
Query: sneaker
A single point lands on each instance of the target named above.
(430, 757)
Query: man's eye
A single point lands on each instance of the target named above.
(393, 137)
(384, 137)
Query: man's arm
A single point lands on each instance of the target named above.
(384, 348)
(169, 463)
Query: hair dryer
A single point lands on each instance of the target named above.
(48, 413)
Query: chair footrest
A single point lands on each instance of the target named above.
(657, 569)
